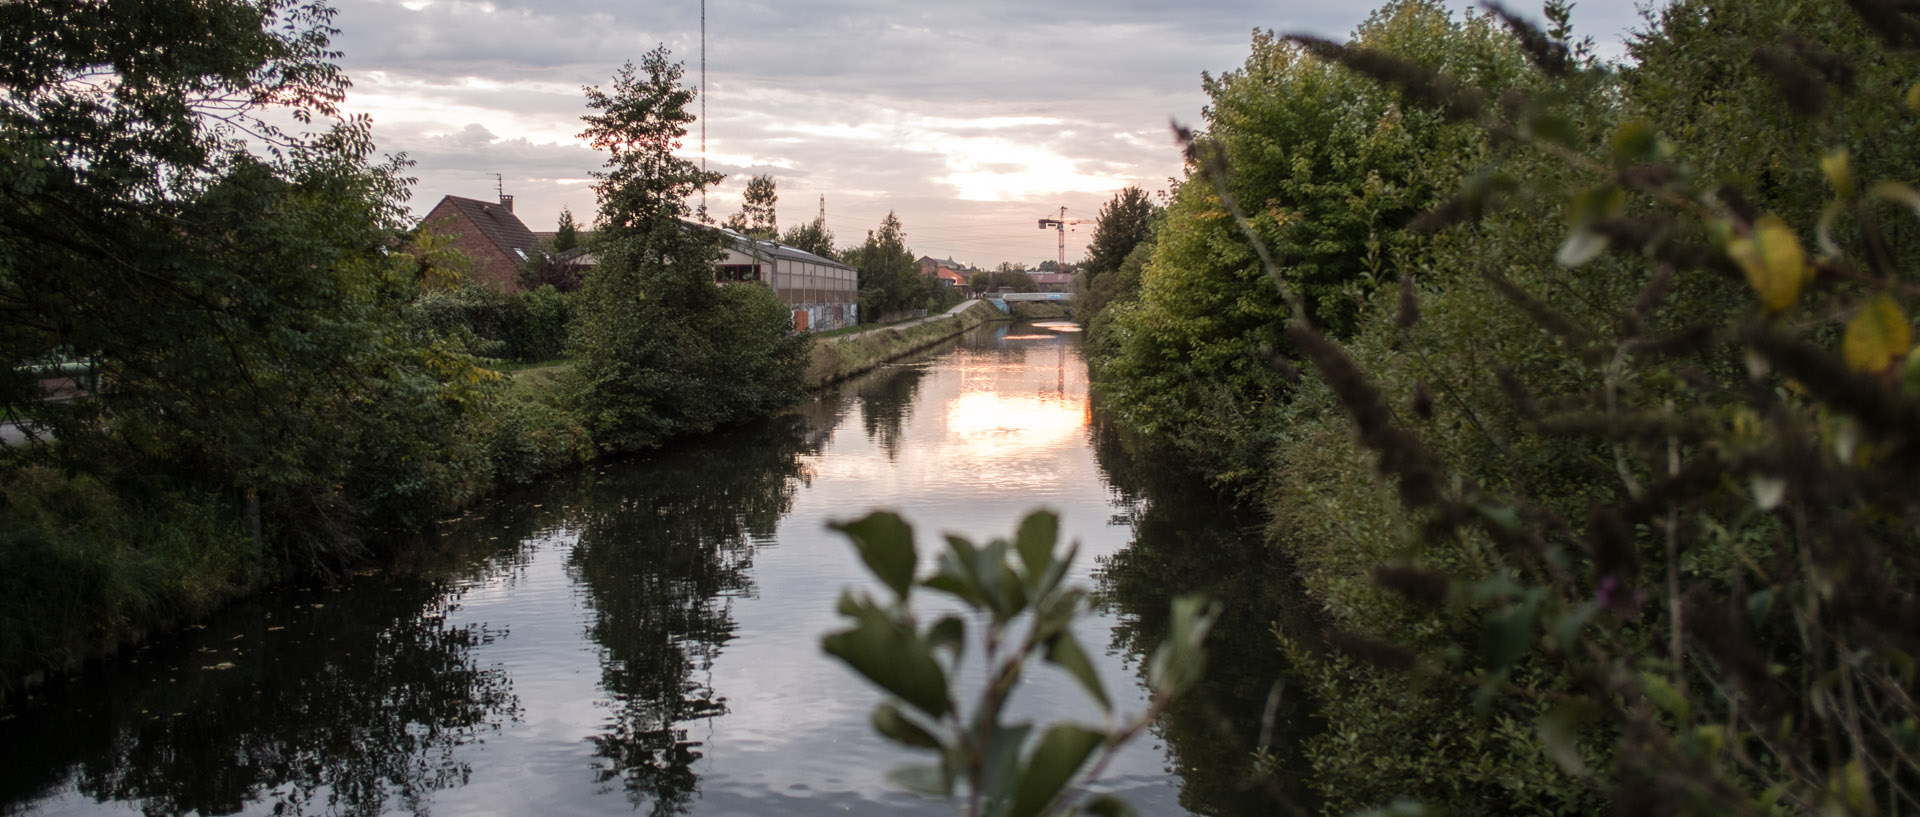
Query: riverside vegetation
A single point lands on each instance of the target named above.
(1609, 510)
(288, 376)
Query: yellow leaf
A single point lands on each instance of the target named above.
(1835, 166)
(1876, 336)
(1774, 261)
(1913, 98)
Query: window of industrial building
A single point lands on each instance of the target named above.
(737, 272)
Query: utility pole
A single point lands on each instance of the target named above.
(1060, 226)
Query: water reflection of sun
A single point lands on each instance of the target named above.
(989, 420)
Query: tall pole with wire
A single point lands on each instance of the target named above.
(703, 105)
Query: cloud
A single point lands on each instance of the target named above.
(968, 120)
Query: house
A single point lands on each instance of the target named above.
(487, 232)
(947, 271)
(822, 293)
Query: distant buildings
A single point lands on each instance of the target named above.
(823, 294)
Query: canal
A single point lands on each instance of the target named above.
(644, 635)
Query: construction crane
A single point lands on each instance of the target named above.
(1060, 225)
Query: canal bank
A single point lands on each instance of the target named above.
(838, 358)
(531, 433)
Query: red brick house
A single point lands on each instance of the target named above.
(487, 232)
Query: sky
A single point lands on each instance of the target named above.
(970, 120)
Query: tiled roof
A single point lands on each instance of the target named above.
(498, 224)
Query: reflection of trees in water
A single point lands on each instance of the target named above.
(664, 544)
(358, 700)
(309, 726)
(886, 403)
(1186, 540)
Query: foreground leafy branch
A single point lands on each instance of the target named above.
(1016, 597)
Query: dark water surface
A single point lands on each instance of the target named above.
(644, 635)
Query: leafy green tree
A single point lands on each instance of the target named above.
(980, 281)
(890, 279)
(567, 235)
(1014, 274)
(1329, 165)
(813, 236)
(756, 217)
(237, 305)
(661, 349)
(1125, 221)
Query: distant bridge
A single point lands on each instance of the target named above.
(1057, 297)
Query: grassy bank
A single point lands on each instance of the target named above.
(840, 358)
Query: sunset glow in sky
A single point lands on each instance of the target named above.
(970, 120)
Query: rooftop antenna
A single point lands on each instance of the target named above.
(499, 185)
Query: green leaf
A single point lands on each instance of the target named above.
(949, 632)
(885, 542)
(1559, 730)
(929, 780)
(1180, 660)
(956, 574)
(1001, 764)
(1634, 142)
(891, 656)
(890, 722)
(1554, 128)
(1062, 751)
(1759, 606)
(1064, 652)
(1508, 634)
(1566, 630)
(1665, 696)
(1039, 532)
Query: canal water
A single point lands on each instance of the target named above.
(644, 635)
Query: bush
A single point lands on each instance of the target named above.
(84, 568)
(526, 327)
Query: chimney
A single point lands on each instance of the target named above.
(506, 201)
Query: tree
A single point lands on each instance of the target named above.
(813, 236)
(1125, 221)
(890, 279)
(756, 217)
(567, 235)
(662, 350)
(236, 300)
(1014, 274)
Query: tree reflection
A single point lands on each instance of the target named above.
(664, 546)
(886, 398)
(1186, 540)
(311, 727)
